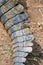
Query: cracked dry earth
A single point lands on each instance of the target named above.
(35, 11)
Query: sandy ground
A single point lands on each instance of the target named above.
(5, 42)
(35, 12)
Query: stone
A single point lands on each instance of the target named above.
(15, 20)
(13, 12)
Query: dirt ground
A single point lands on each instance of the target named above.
(35, 12)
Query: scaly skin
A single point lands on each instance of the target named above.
(15, 20)
(2, 2)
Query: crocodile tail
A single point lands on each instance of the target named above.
(16, 22)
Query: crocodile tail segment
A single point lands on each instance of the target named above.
(14, 19)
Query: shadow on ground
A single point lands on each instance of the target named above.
(36, 57)
(23, 2)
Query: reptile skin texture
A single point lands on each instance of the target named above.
(14, 18)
